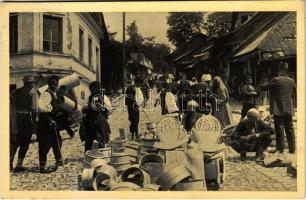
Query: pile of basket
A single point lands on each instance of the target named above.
(151, 173)
(129, 165)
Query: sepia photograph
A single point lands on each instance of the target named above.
(154, 101)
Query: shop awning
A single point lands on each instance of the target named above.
(253, 45)
(142, 59)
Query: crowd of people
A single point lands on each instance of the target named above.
(190, 99)
(184, 99)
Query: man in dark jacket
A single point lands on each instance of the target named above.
(183, 93)
(252, 135)
(133, 106)
(25, 118)
(249, 95)
(13, 127)
(282, 100)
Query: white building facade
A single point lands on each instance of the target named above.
(44, 44)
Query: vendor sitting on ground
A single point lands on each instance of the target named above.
(252, 135)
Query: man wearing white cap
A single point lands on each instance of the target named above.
(252, 135)
(202, 92)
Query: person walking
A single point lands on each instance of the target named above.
(202, 94)
(134, 101)
(282, 91)
(183, 93)
(249, 95)
(47, 130)
(13, 128)
(95, 119)
(222, 110)
(25, 119)
(145, 89)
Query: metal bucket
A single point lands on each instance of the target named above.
(151, 158)
(154, 169)
(136, 175)
(173, 175)
(148, 142)
(95, 154)
(117, 145)
(107, 152)
(120, 158)
(132, 149)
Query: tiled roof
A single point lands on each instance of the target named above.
(188, 49)
(282, 36)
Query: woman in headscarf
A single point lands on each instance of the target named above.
(95, 119)
(221, 109)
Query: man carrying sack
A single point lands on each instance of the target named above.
(47, 131)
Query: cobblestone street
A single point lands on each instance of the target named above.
(240, 176)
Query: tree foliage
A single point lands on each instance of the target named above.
(183, 26)
(132, 32)
(156, 52)
(217, 23)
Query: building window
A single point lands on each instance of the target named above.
(90, 52)
(13, 33)
(81, 44)
(52, 34)
(97, 57)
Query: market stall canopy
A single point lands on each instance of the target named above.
(141, 59)
(253, 45)
(189, 48)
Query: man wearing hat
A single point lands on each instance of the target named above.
(202, 92)
(47, 130)
(282, 100)
(25, 118)
(252, 135)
